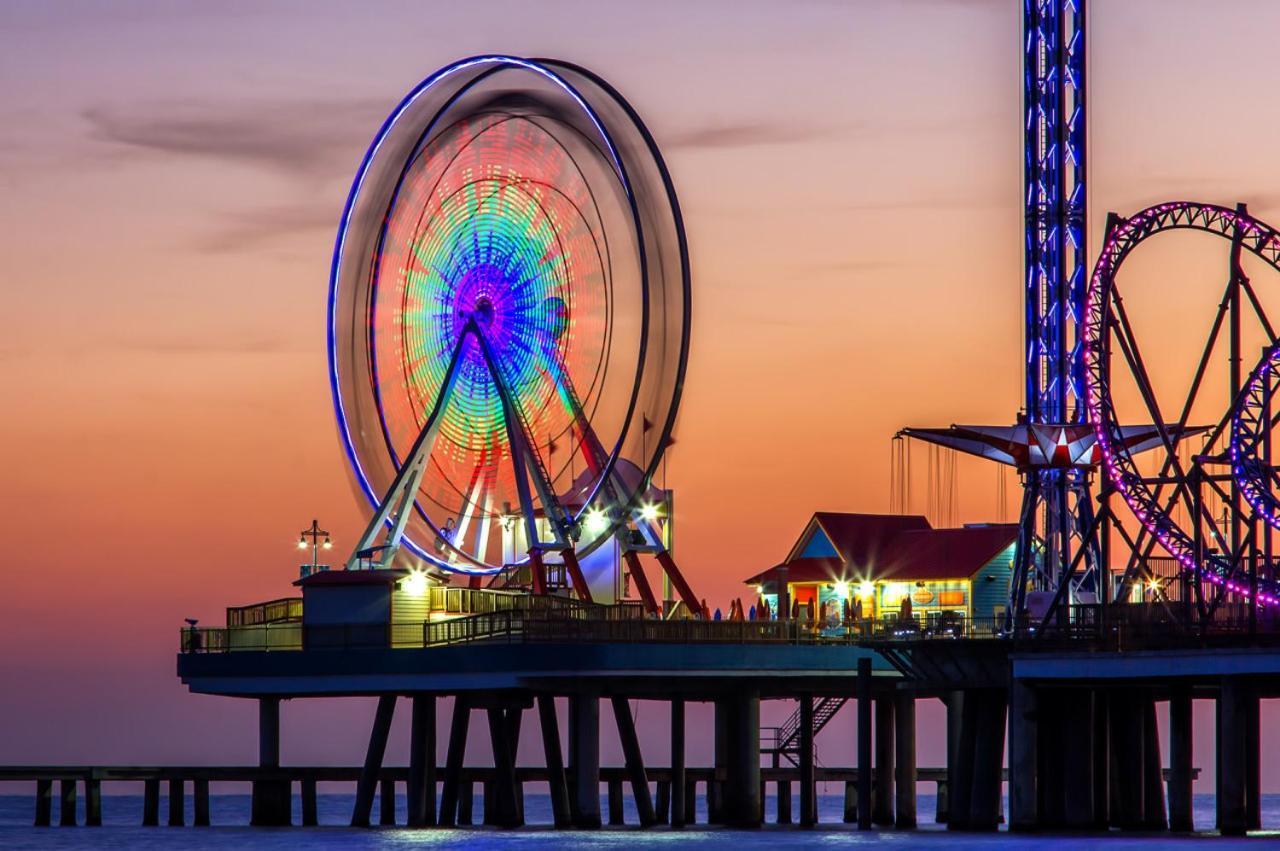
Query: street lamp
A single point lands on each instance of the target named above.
(315, 533)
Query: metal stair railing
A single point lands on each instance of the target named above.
(786, 737)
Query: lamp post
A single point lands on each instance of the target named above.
(314, 533)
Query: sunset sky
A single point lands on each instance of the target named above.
(171, 176)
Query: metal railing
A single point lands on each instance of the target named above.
(272, 611)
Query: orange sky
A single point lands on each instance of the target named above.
(850, 176)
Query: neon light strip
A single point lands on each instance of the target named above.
(1257, 238)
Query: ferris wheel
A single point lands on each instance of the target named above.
(509, 318)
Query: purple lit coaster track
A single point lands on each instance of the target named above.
(1220, 556)
(1251, 428)
(509, 315)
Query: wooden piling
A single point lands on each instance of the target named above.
(556, 781)
(310, 814)
(864, 744)
(44, 803)
(92, 802)
(387, 802)
(850, 802)
(904, 727)
(177, 802)
(420, 789)
(1232, 719)
(615, 803)
(67, 806)
(151, 802)
(741, 802)
(466, 803)
(451, 792)
(1023, 758)
(662, 802)
(584, 759)
(503, 811)
(367, 785)
(882, 805)
(681, 813)
(634, 759)
(808, 788)
(270, 799)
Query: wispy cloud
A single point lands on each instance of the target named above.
(200, 346)
(309, 139)
(743, 135)
(250, 229)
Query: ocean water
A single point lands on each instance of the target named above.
(122, 816)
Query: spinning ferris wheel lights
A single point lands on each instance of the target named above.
(509, 316)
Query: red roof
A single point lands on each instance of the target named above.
(861, 539)
(904, 547)
(825, 569)
(946, 553)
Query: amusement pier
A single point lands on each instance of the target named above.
(509, 322)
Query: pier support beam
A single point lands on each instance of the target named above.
(387, 802)
(451, 792)
(504, 809)
(986, 801)
(556, 780)
(882, 806)
(67, 807)
(904, 726)
(1075, 754)
(635, 761)
(808, 788)
(368, 782)
(864, 744)
(1128, 748)
(177, 802)
(310, 814)
(946, 800)
(1233, 742)
(1253, 762)
(975, 800)
(93, 802)
(200, 799)
(584, 759)
(1101, 760)
(151, 802)
(741, 803)
(1153, 813)
(720, 763)
(466, 802)
(614, 795)
(1023, 739)
(44, 803)
(679, 779)
(421, 788)
(270, 804)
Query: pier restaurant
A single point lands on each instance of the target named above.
(864, 566)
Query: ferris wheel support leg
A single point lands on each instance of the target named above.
(575, 575)
(539, 569)
(642, 582)
(522, 444)
(398, 501)
(677, 579)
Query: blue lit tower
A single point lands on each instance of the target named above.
(1052, 445)
(1055, 498)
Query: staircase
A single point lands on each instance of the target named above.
(786, 739)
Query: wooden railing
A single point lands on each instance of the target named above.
(272, 611)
